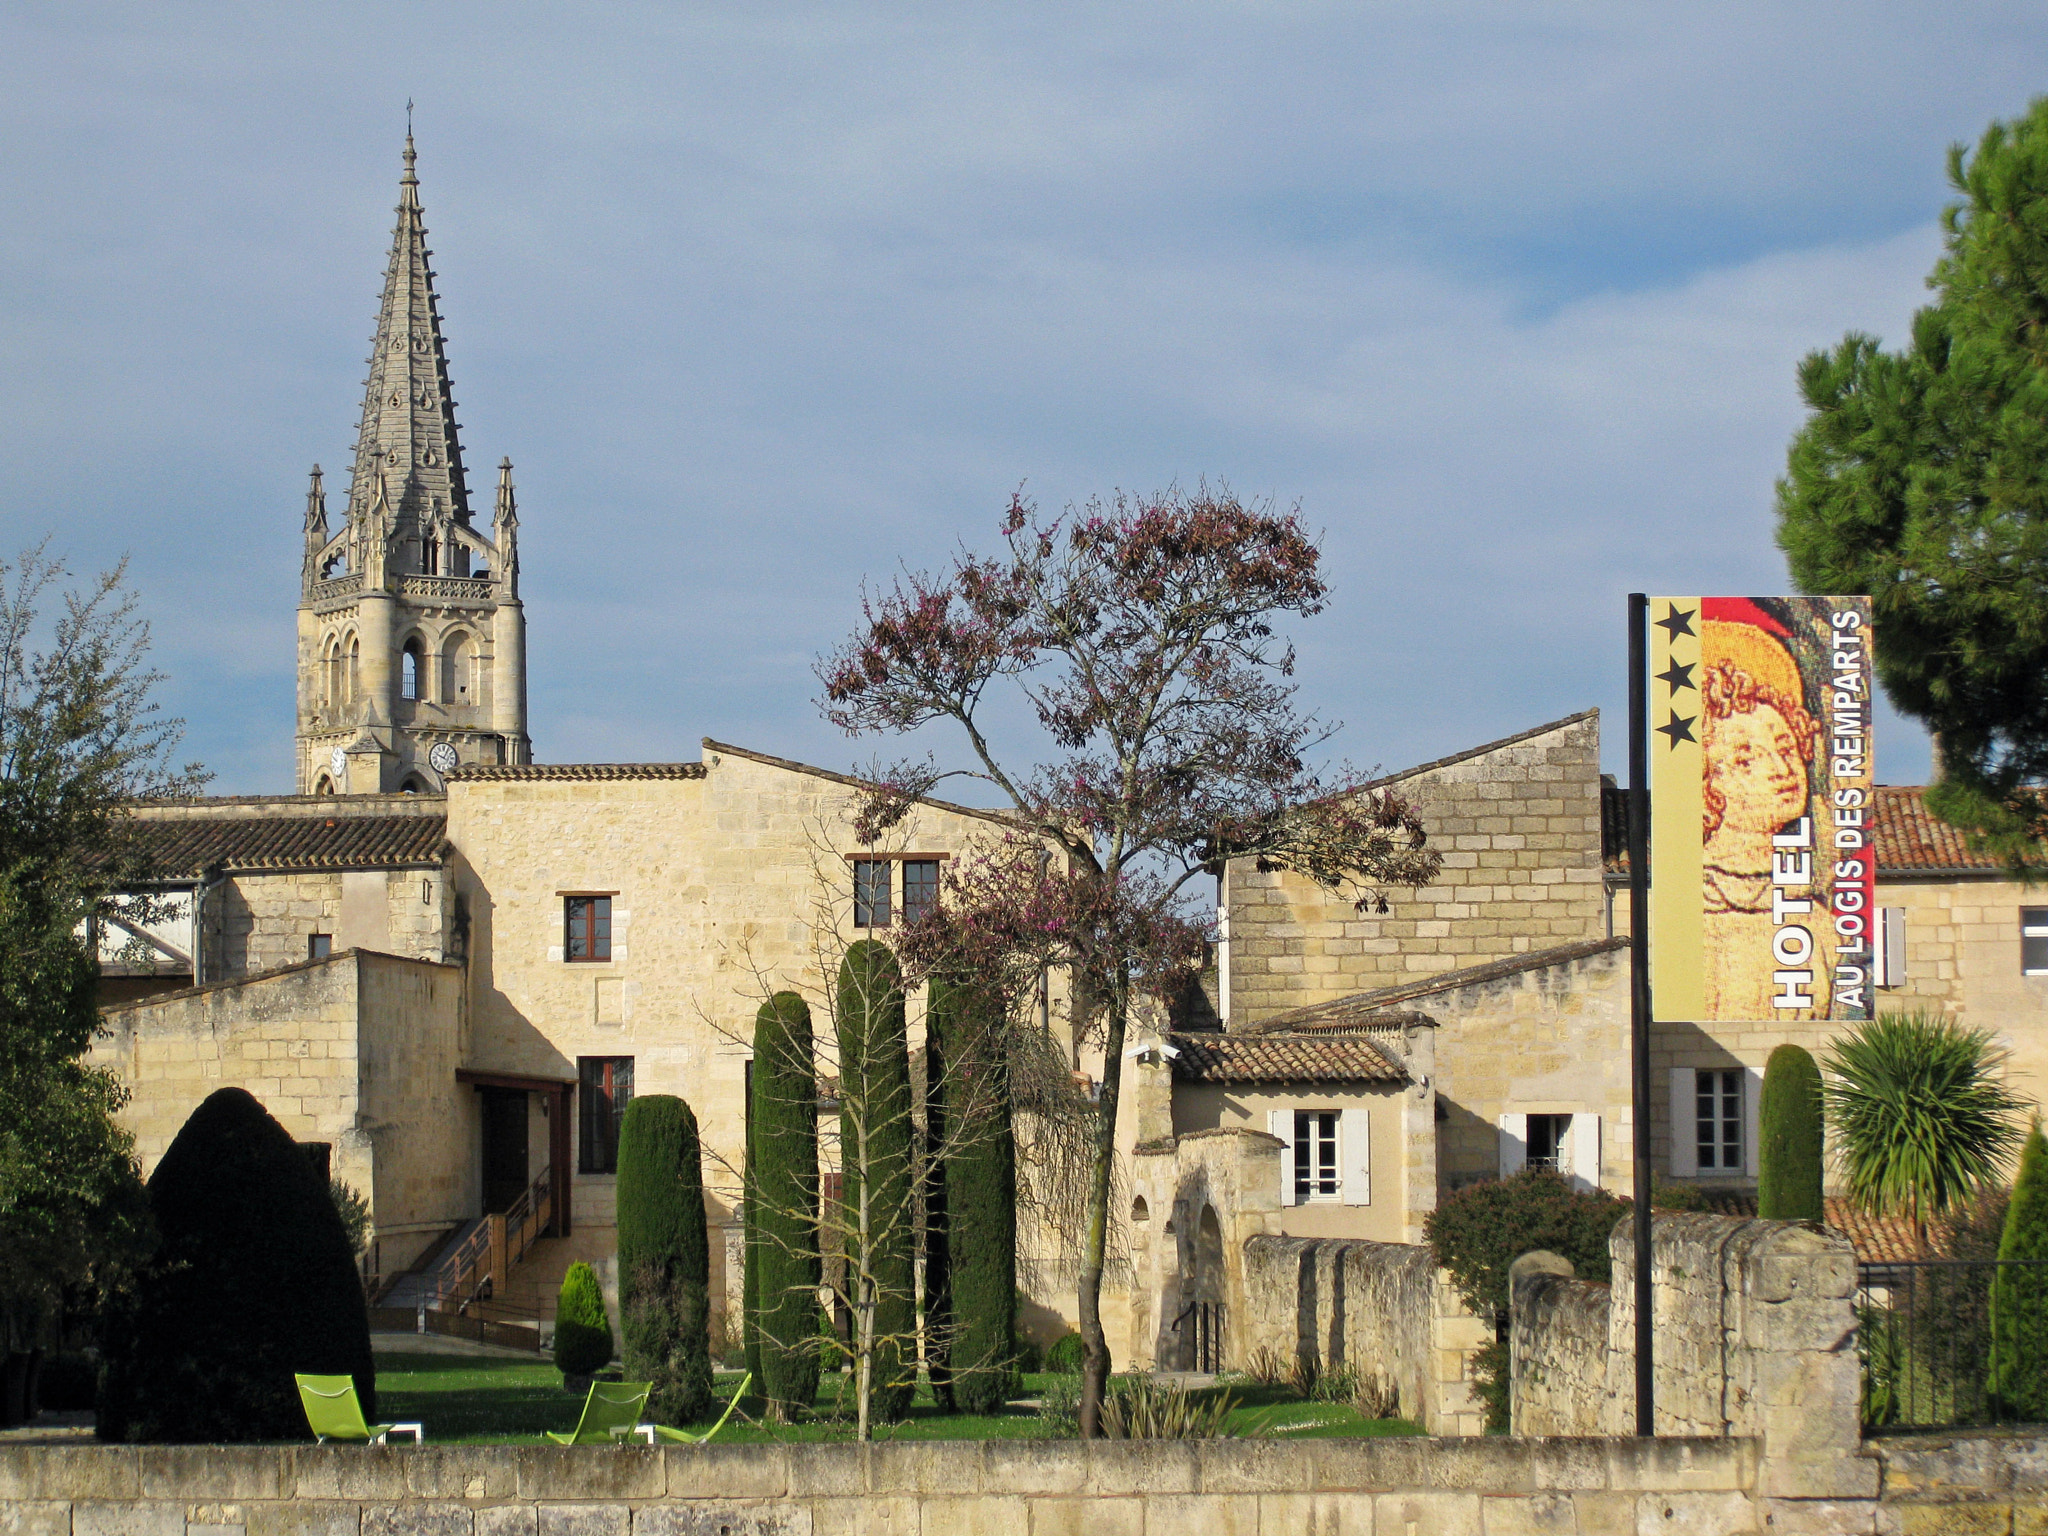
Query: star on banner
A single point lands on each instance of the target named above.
(1675, 623)
(1680, 728)
(1679, 675)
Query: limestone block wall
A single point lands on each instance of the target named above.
(1384, 1308)
(358, 1051)
(1545, 1040)
(1518, 823)
(257, 921)
(1755, 1334)
(939, 1488)
(1557, 1350)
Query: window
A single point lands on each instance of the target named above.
(1717, 1120)
(2034, 941)
(319, 945)
(1325, 1155)
(1548, 1135)
(409, 669)
(871, 893)
(920, 887)
(1315, 1155)
(606, 1084)
(588, 924)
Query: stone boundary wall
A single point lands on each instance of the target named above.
(1755, 1332)
(1557, 1347)
(1382, 1308)
(930, 1488)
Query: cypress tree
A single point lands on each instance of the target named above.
(664, 1257)
(583, 1333)
(252, 1281)
(874, 1151)
(938, 1249)
(2019, 1297)
(782, 1194)
(1788, 1186)
(979, 1178)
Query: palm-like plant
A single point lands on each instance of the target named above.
(1920, 1113)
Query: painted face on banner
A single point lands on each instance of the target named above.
(1757, 768)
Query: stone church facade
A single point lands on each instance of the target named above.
(451, 966)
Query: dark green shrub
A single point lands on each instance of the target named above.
(1066, 1354)
(875, 1133)
(2019, 1297)
(976, 1211)
(583, 1333)
(252, 1281)
(782, 1194)
(664, 1257)
(1788, 1186)
(1478, 1232)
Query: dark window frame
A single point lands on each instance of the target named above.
(920, 888)
(319, 946)
(866, 907)
(594, 909)
(604, 1087)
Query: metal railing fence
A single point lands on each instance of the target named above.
(1950, 1343)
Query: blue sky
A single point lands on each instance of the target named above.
(763, 299)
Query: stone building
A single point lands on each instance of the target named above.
(451, 966)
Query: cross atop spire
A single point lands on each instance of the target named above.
(408, 449)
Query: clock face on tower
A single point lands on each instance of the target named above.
(337, 761)
(442, 759)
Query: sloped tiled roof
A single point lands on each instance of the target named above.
(472, 773)
(1263, 1058)
(1878, 1239)
(188, 846)
(1910, 840)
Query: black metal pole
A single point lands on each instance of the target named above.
(1639, 988)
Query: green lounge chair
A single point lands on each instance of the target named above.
(333, 1412)
(684, 1436)
(610, 1413)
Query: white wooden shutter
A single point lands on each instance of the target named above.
(1889, 952)
(1514, 1144)
(1752, 1121)
(1281, 1123)
(1584, 1161)
(1685, 1131)
(1354, 1147)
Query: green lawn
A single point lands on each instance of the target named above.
(477, 1400)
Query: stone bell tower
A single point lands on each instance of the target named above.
(412, 639)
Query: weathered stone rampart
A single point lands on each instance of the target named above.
(1020, 1488)
(1380, 1308)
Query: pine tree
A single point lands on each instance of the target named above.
(664, 1257)
(2019, 1296)
(253, 1281)
(1788, 1186)
(875, 1135)
(782, 1194)
(1921, 477)
(978, 1176)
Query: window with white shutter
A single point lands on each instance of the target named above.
(1281, 1123)
(1356, 1135)
(1514, 1144)
(1581, 1161)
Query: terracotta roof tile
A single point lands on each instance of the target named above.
(572, 772)
(1263, 1058)
(189, 846)
(1910, 840)
(1878, 1239)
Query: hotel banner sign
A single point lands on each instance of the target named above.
(1761, 870)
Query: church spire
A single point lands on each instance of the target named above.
(407, 448)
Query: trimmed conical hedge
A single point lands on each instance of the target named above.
(583, 1332)
(977, 1178)
(2019, 1297)
(1789, 1138)
(664, 1257)
(782, 1195)
(252, 1281)
(875, 1134)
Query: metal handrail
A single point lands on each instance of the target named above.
(464, 1277)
